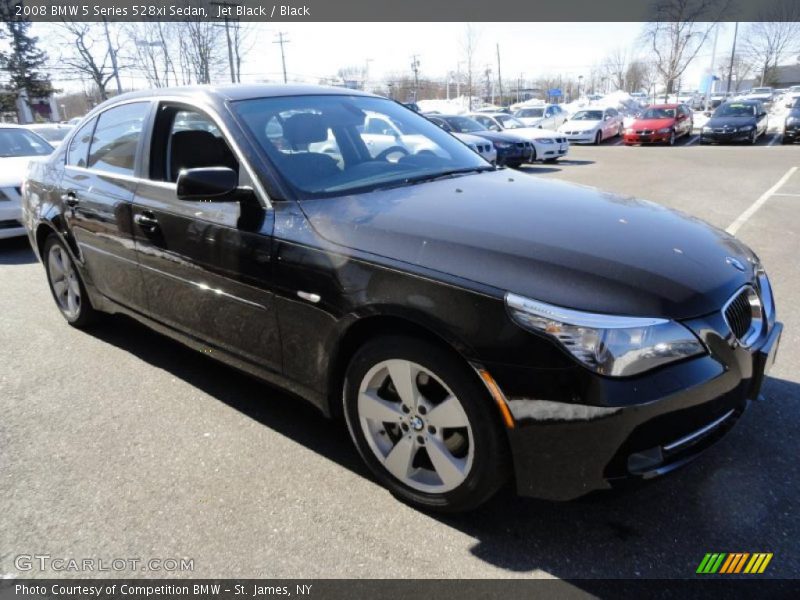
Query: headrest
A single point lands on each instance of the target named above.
(305, 128)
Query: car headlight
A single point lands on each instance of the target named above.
(630, 130)
(545, 141)
(665, 130)
(746, 128)
(610, 345)
(502, 145)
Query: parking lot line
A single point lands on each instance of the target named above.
(692, 141)
(742, 218)
(775, 138)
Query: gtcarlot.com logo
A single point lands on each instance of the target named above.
(727, 563)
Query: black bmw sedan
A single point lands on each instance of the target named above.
(512, 150)
(736, 121)
(471, 326)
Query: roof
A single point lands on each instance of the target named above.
(670, 105)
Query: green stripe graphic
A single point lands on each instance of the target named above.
(701, 568)
(717, 564)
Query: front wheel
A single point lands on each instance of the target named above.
(671, 140)
(754, 137)
(424, 424)
(598, 138)
(66, 285)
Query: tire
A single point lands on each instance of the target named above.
(620, 131)
(754, 138)
(513, 164)
(66, 285)
(550, 161)
(784, 140)
(671, 140)
(598, 138)
(472, 461)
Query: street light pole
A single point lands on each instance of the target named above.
(733, 56)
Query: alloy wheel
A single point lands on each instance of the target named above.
(415, 426)
(64, 281)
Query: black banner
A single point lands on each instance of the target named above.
(397, 10)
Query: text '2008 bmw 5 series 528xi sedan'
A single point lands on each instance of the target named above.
(471, 325)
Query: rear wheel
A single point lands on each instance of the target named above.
(424, 424)
(66, 285)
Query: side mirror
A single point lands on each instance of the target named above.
(207, 183)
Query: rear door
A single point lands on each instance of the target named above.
(97, 190)
(207, 266)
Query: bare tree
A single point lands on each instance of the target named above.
(89, 51)
(615, 65)
(679, 29)
(152, 45)
(640, 75)
(777, 34)
(469, 49)
(202, 48)
(741, 69)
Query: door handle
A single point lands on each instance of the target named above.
(70, 198)
(146, 221)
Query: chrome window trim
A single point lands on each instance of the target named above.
(206, 108)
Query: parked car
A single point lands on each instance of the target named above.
(765, 95)
(546, 116)
(791, 125)
(548, 146)
(480, 145)
(469, 326)
(660, 124)
(791, 96)
(593, 125)
(54, 133)
(736, 121)
(511, 150)
(18, 146)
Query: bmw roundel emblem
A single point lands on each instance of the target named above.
(736, 263)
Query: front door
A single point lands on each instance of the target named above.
(207, 266)
(97, 190)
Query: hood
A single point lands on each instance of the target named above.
(498, 136)
(531, 121)
(468, 138)
(13, 169)
(571, 125)
(653, 123)
(560, 243)
(532, 133)
(730, 121)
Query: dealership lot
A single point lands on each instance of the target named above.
(122, 444)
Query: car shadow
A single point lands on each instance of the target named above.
(737, 497)
(16, 251)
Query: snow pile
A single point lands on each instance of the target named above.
(527, 104)
(455, 106)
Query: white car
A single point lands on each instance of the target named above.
(54, 133)
(593, 125)
(765, 94)
(480, 145)
(384, 136)
(548, 146)
(17, 146)
(545, 116)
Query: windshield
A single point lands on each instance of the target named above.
(330, 145)
(658, 113)
(509, 122)
(18, 142)
(464, 124)
(52, 134)
(588, 115)
(529, 113)
(736, 110)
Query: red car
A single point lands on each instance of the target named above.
(660, 124)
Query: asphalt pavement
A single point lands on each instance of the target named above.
(119, 443)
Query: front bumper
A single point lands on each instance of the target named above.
(792, 134)
(576, 432)
(11, 219)
(579, 138)
(552, 151)
(728, 137)
(517, 152)
(641, 138)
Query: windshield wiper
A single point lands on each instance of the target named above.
(445, 175)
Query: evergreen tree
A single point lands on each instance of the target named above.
(23, 60)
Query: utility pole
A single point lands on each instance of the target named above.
(711, 68)
(733, 56)
(113, 54)
(489, 87)
(499, 78)
(281, 40)
(415, 68)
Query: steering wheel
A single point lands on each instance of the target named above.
(385, 154)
